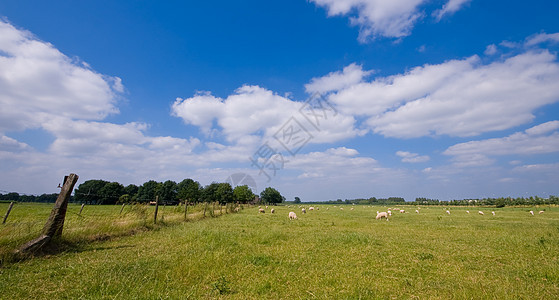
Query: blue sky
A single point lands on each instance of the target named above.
(441, 99)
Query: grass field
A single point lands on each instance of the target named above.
(325, 254)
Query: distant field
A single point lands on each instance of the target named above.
(325, 254)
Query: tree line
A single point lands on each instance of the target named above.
(97, 191)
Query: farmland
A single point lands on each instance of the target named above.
(324, 254)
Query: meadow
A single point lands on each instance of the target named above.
(326, 254)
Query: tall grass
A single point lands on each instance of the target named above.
(325, 254)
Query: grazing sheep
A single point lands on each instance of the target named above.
(292, 215)
(493, 212)
(327, 208)
(382, 215)
(448, 212)
(468, 211)
(389, 213)
(311, 208)
(540, 212)
(402, 211)
(272, 211)
(266, 206)
(261, 210)
(237, 209)
(351, 208)
(341, 208)
(304, 210)
(480, 212)
(417, 211)
(532, 212)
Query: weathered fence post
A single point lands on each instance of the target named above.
(205, 207)
(156, 208)
(8, 212)
(185, 209)
(122, 208)
(55, 223)
(83, 204)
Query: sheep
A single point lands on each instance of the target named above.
(237, 209)
(272, 211)
(351, 208)
(327, 208)
(292, 216)
(389, 213)
(480, 212)
(311, 208)
(540, 212)
(532, 212)
(341, 208)
(493, 212)
(402, 211)
(468, 211)
(417, 211)
(304, 210)
(448, 212)
(266, 206)
(261, 210)
(382, 215)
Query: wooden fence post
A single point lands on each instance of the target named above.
(156, 208)
(205, 207)
(8, 212)
(122, 208)
(185, 209)
(55, 222)
(83, 204)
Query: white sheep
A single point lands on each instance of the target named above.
(540, 212)
(272, 211)
(304, 210)
(448, 212)
(292, 215)
(532, 212)
(417, 211)
(382, 215)
(468, 211)
(402, 211)
(261, 210)
(351, 208)
(480, 212)
(311, 208)
(493, 212)
(389, 213)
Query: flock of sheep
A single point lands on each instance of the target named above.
(380, 215)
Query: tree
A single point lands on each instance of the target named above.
(89, 191)
(209, 193)
(167, 191)
(110, 193)
(271, 195)
(224, 193)
(131, 190)
(147, 191)
(243, 194)
(189, 190)
(297, 200)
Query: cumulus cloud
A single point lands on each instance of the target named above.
(377, 18)
(412, 157)
(539, 139)
(457, 98)
(490, 50)
(38, 82)
(256, 111)
(542, 38)
(350, 75)
(451, 7)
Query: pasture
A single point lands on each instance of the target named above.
(325, 254)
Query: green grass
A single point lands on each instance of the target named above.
(325, 254)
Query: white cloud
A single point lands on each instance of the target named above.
(490, 50)
(350, 75)
(256, 111)
(456, 98)
(531, 141)
(542, 38)
(10, 145)
(37, 82)
(450, 8)
(377, 17)
(412, 157)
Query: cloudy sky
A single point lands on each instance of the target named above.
(321, 99)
